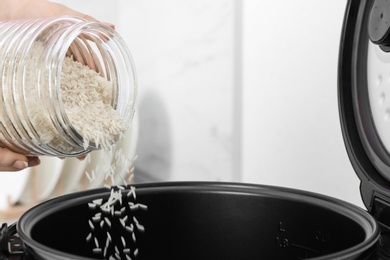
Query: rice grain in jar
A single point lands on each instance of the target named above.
(68, 86)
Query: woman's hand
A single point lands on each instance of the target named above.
(11, 161)
(22, 9)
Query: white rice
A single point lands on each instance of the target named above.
(134, 207)
(96, 242)
(125, 214)
(91, 225)
(82, 87)
(135, 220)
(89, 237)
(108, 222)
(120, 209)
(96, 219)
(86, 98)
(123, 241)
(140, 227)
(97, 250)
(98, 201)
(129, 229)
(92, 205)
(142, 206)
(122, 222)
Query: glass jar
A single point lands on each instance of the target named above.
(68, 86)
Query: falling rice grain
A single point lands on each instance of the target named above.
(105, 251)
(93, 175)
(108, 221)
(98, 201)
(112, 179)
(124, 181)
(92, 205)
(97, 250)
(89, 237)
(142, 206)
(96, 219)
(134, 207)
(125, 219)
(122, 222)
(135, 220)
(88, 177)
(129, 193)
(91, 225)
(131, 177)
(140, 227)
(107, 242)
(132, 169)
(129, 229)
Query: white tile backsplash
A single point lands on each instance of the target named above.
(184, 53)
(184, 56)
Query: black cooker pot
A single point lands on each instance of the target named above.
(214, 220)
(204, 220)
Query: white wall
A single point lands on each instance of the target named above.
(291, 133)
(184, 54)
(203, 116)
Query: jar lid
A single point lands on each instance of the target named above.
(364, 99)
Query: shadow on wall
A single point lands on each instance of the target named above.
(154, 140)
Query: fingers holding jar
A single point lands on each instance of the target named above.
(22, 9)
(11, 161)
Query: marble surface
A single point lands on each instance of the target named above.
(184, 54)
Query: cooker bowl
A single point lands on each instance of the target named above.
(203, 220)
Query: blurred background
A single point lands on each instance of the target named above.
(236, 90)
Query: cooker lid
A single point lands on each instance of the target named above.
(364, 99)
